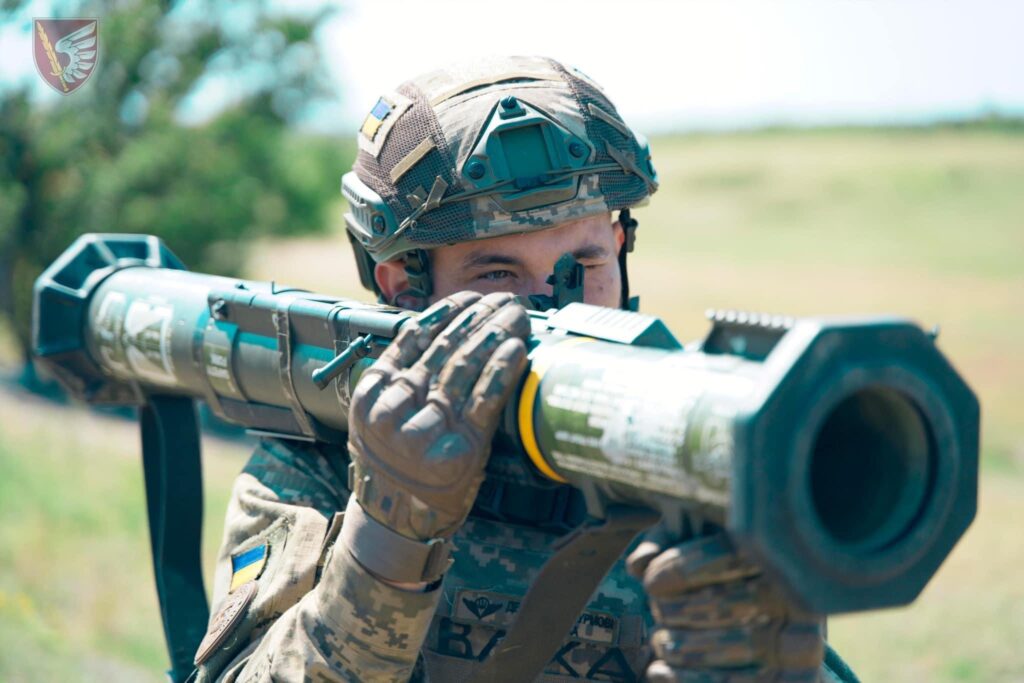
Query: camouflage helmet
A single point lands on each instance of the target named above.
(485, 148)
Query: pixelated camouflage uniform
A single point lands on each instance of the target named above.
(318, 616)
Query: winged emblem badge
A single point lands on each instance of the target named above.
(65, 51)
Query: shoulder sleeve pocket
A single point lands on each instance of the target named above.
(270, 572)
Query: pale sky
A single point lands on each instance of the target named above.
(682, 63)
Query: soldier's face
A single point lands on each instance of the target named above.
(521, 264)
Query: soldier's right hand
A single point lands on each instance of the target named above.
(720, 619)
(424, 414)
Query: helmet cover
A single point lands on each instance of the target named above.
(491, 147)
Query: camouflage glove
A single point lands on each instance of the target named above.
(420, 430)
(720, 620)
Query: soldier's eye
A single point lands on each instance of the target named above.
(497, 275)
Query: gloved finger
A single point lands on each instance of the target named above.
(401, 405)
(455, 335)
(416, 335)
(693, 564)
(463, 371)
(398, 401)
(660, 672)
(730, 647)
(372, 383)
(796, 648)
(800, 646)
(483, 322)
(407, 390)
(734, 603)
(653, 544)
(498, 380)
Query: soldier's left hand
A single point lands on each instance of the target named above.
(720, 619)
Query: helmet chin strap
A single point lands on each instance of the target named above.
(629, 225)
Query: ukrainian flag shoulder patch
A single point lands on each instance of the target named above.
(372, 122)
(247, 565)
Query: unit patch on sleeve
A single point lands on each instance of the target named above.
(230, 614)
(247, 565)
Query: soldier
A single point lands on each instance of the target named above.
(469, 183)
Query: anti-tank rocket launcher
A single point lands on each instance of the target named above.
(841, 453)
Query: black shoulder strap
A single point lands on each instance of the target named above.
(174, 501)
(559, 594)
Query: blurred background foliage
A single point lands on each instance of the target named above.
(924, 221)
(114, 156)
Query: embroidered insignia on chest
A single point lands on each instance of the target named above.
(482, 606)
(247, 565)
(225, 620)
(500, 610)
(372, 122)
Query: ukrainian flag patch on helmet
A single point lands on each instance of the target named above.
(380, 111)
(247, 565)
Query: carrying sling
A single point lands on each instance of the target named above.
(174, 502)
(560, 592)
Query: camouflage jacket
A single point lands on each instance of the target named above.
(318, 616)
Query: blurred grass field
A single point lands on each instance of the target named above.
(927, 223)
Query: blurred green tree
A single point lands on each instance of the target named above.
(116, 155)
